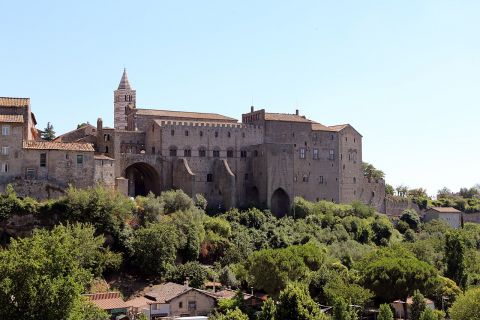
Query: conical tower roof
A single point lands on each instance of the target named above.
(124, 84)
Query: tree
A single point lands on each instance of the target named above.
(341, 311)
(86, 310)
(155, 248)
(467, 306)
(455, 259)
(42, 277)
(83, 124)
(227, 277)
(371, 172)
(235, 314)
(385, 312)
(272, 269)
(444, 193)
(402, 190)
(411, 217)
(196, 273)
(48, 133)
(428, 314)
(296, 304)
(389, 189)
(395, 273)
(418, 305)
(269, 309)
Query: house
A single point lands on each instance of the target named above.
(175, 300)
(450, 215)
(111, 302)
(398, 306)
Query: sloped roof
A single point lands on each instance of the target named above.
(320, 127)
(338, 127)
(14, 102)
(445, 210)
(11, 118)
(75, 131)
(166, 291)
(285, 117)
(124, 83)
(182, 115)
(107, 300)
(51, 145)
(138, 302)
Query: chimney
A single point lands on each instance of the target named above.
(296, 112)
(252, 109)
(187, 281)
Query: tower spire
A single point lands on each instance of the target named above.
(124, 84)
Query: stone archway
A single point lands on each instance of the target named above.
(280, 203)
(142, 179)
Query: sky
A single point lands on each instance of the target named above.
(405, 74)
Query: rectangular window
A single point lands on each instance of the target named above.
(243, 153)
(5, 130)
(315, 154)
(302, 153)
(5, 151)
(320, 180)
(180, 305)
(305, 178)
(153, 150)
(79, 159)
(331, 154)
(30, 173)
(43, 159)
(4, 167)
(209, 177)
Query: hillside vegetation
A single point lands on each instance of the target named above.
(330, 254)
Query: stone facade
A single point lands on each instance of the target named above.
(266, 160)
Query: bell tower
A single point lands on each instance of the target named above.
(124, 98)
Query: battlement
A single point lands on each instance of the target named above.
(193, 124)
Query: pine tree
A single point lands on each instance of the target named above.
(268, 310)
(385, 312)
(48, 134)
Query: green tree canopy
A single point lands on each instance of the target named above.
(296, 304)
(395, 273)
(155, 248)
(42, 277)
(455, 259)
(467, 306)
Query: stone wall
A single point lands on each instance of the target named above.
(394, 206)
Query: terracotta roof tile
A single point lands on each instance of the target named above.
(285, 117)
(14, 102)
(107, 300)
(11, 118)
(182, 115)
(50, 145)
(339, 127)
(320, 127)
(138, 302)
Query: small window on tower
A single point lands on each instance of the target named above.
(186, 133)
(230, 153)
(209, 177)
(172, 132)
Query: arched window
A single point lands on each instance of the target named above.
(173, 151)
(243, 153)
(230, 153)
(202, 152)
(216, 153)
(187, 152)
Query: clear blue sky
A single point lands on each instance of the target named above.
(406, 74)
